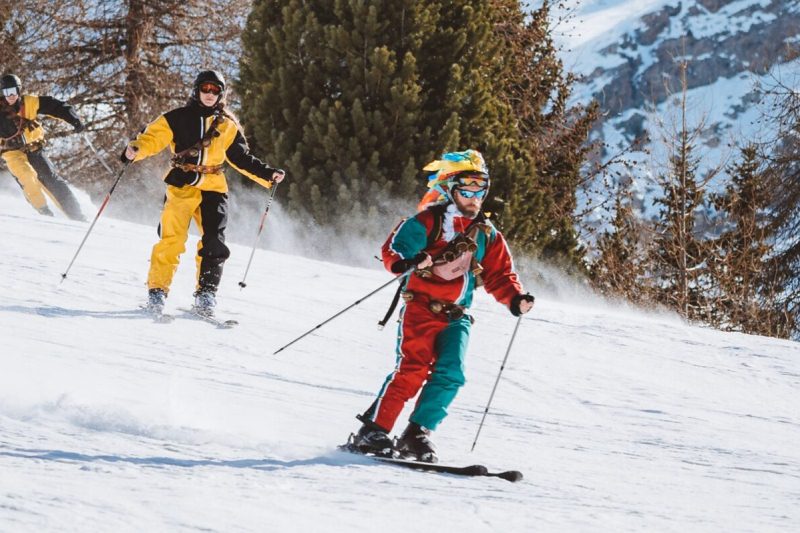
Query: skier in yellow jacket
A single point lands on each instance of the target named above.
(202, 135)
(21, 145)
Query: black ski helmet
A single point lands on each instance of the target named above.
(10, 81)
(208, 76)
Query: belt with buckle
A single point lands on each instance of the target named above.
(451, 310)
(28, 148)
(202, 169)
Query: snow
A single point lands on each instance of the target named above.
(620, 420)
(594, 25)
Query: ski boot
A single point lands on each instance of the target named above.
(204, 303)
(371, 439)
(45, 210)
(415, 444)
(156, 299)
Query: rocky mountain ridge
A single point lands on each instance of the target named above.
(632, 63)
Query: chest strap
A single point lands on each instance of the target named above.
(17, 117)
(204, 142)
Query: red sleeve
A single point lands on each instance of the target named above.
(499, 278)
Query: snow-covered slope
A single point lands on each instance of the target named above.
(620, 421)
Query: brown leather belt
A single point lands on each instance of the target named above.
(25, 148)
(202, 169)
(451, 310)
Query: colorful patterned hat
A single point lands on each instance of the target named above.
(449, 171)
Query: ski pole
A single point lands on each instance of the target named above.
(242, 284)
(400, 277)
(96, 153)
(99, 211)
(502, 366)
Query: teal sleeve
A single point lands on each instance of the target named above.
(409, 239)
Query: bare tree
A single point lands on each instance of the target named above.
(120, 62)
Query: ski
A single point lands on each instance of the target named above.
(469, 471)
(157, 316)
(221, 324)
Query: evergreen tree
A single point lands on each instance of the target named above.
(784, 178)
(331, 90)
(677, 252)
(622, 259)
(743, 271)
(679, 255)
(553, 135)
(355, 97)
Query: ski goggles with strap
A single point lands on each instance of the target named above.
(211, 88)
(466, 179)
(11, 91)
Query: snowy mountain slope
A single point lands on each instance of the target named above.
(620, 421)
(629, 53)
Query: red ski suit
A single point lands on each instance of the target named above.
(431, 345)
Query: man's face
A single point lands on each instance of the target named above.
(469, 206)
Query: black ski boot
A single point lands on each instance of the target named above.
(416, 445)
(44, 210)
(372, 439)
(204, 303)
(156, 299)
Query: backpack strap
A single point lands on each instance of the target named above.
(205, 140)
(436, 226)
(433, 235)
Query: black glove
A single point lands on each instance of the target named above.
(79, 127)
(516, 300)
(406, 264)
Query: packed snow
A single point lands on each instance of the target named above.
(620, 420)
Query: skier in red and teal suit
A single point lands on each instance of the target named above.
(447, 250)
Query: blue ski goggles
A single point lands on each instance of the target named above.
(11, 91)
(471, 194)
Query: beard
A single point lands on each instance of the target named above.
(469, 210)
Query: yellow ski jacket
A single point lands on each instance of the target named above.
(183, 130)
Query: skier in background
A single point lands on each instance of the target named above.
(202, 136)
(452, 249)
(22, 142)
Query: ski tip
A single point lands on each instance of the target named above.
(511, 475)
(476, 470)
